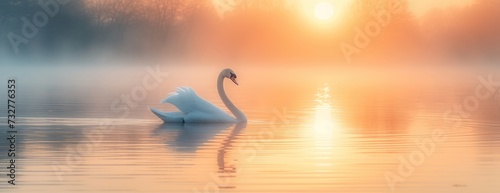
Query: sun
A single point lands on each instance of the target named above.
(325, 15)
(323, 11)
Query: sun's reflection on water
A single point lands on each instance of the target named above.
(325, 129)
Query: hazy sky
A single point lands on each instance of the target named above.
(420, 7)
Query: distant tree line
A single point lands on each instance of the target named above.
(252, 28)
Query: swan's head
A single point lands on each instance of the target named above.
(228, 73)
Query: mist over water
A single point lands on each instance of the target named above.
(92, 88)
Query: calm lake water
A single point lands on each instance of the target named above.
(87, 129)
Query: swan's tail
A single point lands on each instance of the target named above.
(168, 117)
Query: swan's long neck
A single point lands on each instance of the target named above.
(240, 117)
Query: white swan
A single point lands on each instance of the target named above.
(195, 109)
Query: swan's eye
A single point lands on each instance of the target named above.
(232, 75)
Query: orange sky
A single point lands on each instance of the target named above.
(420, 7)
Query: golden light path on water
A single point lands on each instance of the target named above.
(326, 131)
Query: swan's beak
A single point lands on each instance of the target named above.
(234, 80)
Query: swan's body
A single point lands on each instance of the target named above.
(195, 109)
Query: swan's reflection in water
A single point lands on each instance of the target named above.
(189, 137)
(224, 168)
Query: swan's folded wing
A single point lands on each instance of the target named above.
(187, 101)
(184, 98)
